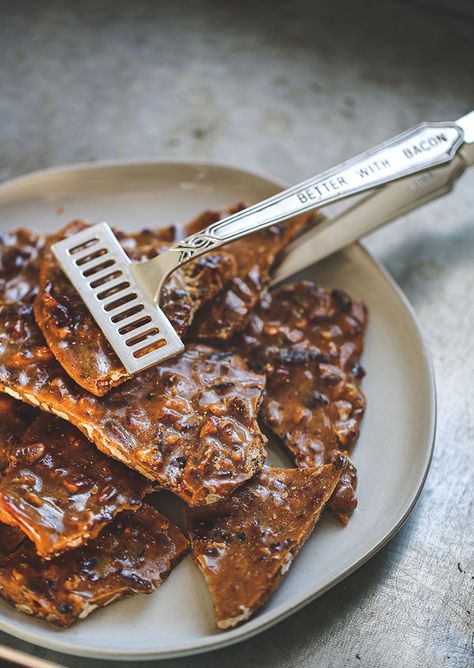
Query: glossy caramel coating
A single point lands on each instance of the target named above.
(60, 490)
(255, 256)
(132, 555)
(14, 419)
(194, 284)
(74, 336)
(308, 341)
(189, 423)
(19, 253)
(246, 543)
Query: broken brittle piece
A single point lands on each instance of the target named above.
(245, 544)
(255, 256)
(132, 555)
(308, 342)
(60, 490)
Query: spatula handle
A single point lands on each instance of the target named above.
(423, 147)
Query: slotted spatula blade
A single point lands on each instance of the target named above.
(136, 328)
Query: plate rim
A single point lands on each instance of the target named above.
(238, 634)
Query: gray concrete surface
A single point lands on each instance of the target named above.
(290, 88)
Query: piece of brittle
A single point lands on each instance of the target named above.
(255, 256)
(308, 341)
(61, 491)
(245, 544)
(132, 555)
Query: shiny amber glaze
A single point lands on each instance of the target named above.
(15, 417)
(61, 490)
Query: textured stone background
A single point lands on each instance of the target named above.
(290, 88)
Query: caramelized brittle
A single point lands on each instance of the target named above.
(74, 336)
(195, 284)
(60, 490)
(14, 419)
(308, 341)
(255, 256)
(132, 555)
(246, 543)
(19, 254)
(189, 423)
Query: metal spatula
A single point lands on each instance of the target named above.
(400, 175)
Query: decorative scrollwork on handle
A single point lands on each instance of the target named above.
(195, 245)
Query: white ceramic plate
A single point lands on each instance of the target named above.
(392, 455)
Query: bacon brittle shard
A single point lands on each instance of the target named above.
(60, 490)
(19, 265)
(255, 256)
(189, 423)
(245, 544)
(74, 336)
(308, 340)
(132, 555)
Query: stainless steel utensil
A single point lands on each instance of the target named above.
(399, 175)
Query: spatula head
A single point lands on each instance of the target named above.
(136, 328)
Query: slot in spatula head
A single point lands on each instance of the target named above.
(136, 327)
